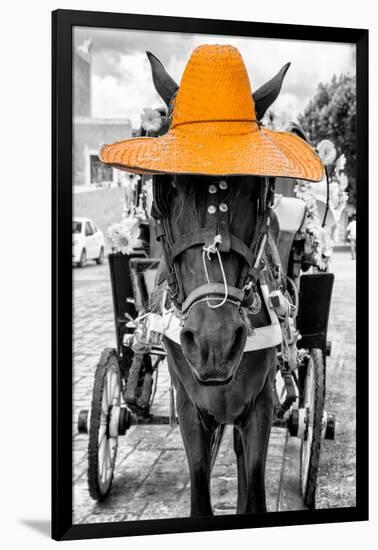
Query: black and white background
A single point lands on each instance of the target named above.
(25, 219)
(112, 86)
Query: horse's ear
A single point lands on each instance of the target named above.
(165, 86)
(296, 129)
(268, 92)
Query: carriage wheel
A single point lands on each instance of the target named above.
(103, 431)
(313, 402)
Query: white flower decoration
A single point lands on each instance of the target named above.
(124, 235)
(320, 242)
(326, 151)
(151, 120)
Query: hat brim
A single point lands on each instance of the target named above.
(259, 153)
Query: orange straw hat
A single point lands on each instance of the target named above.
(214, 130)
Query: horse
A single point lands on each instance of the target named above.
(217, 382)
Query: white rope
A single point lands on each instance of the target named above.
(296, 297)
(213, 249)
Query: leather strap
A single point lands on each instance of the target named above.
(251, 272)
(212, 290)
(203, 236)
(224, 223)
(187, 240)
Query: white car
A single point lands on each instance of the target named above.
(87, 242)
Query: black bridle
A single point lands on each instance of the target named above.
(215, 238)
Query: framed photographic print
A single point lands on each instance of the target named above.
(209, 178)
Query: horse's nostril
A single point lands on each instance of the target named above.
(192, 345)
(187, 336)
(188, 340)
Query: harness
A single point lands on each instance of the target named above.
(215, 239)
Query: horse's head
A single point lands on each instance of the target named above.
(213, 333)
(211, 224)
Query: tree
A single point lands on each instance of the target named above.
(331, 114)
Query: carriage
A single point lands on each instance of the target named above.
(125, 380)
(266, 273)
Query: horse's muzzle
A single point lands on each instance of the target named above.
(213, 342)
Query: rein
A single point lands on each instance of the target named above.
(215, 239)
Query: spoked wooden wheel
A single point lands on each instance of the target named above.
(104, 422)
(313, 403)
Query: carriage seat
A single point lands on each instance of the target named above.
(291, 215)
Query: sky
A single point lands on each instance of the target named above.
(121, 77)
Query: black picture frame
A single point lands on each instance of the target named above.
(62, 23)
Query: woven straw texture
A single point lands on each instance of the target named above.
(214, 131)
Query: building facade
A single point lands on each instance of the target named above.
(89, 132)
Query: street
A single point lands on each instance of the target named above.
(151, 476)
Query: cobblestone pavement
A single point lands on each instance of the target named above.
(337, 473)
(151, 476)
